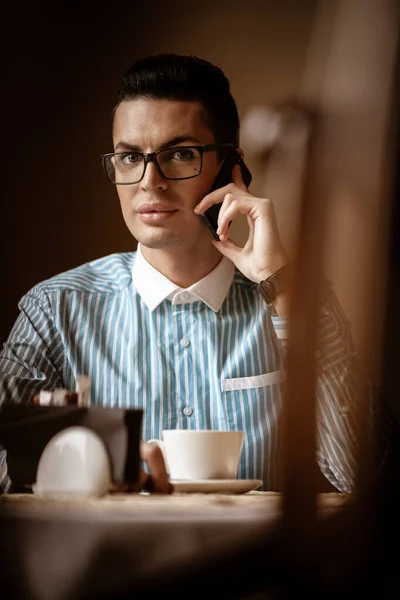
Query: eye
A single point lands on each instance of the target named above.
(130, 158)
(179, 154)
(182, 154)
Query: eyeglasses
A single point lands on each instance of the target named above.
(179, 162)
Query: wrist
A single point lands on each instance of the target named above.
(275, 289)
(276, 265)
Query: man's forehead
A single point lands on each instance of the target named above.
(144, 115)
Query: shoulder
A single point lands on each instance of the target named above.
(104, 275)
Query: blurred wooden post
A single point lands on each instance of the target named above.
(299, 410)
(349, 81)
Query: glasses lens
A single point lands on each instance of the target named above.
(124, 167)
(179, 163)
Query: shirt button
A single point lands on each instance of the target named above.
(184, 296)
(187, 411)
(185, 343)
(345, 410)
(318, 354)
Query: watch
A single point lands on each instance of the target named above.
(274, 285)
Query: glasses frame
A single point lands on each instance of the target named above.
(152, 157)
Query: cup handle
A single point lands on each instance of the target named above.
(161, 445)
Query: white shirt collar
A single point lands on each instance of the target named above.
(153, 287)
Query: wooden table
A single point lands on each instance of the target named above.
(100, 548)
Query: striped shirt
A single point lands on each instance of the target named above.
(208, 357)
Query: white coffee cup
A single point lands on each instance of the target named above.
(201, 454)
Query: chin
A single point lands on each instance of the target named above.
(158, 239)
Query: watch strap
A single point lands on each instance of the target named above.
(274, 285)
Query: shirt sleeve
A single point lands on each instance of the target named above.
(340, 382)
(29, 361)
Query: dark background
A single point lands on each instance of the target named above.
(61, 66)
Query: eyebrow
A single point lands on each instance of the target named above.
(180, 139)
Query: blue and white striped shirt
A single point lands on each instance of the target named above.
(208, 357)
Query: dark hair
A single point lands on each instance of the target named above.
(187, 78)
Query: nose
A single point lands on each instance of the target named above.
(152, 179)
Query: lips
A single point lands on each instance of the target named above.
(156, 213)
(155, 207)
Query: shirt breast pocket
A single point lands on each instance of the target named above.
(253, 403)
(255, 381)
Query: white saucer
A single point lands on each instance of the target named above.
(216, 486)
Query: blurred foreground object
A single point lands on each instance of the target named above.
(74, 464)
(26, 429)
(340, 203)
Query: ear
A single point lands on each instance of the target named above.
(237, 177)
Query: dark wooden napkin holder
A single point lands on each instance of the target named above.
(26, 429)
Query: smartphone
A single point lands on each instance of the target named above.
(223, 178)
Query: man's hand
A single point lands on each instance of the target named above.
(157, 480)
(263, 253)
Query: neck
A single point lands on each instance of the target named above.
(182, 268)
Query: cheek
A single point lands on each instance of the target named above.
(196, 190)
(125, 196)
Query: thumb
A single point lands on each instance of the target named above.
(229, 249)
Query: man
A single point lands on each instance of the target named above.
(180, 328)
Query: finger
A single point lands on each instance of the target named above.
(153, 456)
(250, 239)
(234, 206)
(216, 197)
(226, 214)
